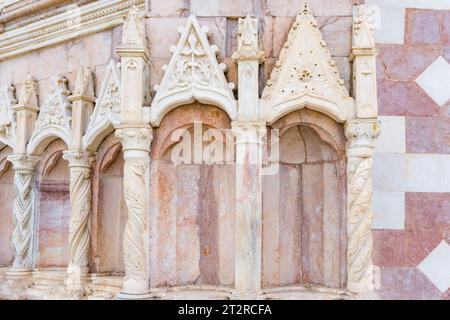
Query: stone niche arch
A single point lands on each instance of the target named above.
(6, 208)
(304, 209)
(109, 211)
(191, 204)
(53, 206)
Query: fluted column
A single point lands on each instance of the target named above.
(80, 166)
(248, 221)
(136, 182)
(23, 213)
(361, 135)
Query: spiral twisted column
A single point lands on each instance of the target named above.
(80, 166)
(136, 146)
(361, 137)
(23, 213)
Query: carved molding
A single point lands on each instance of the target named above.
(306, 75)
(7, 116)
(54, 119)
(193, 74)
(93, 17)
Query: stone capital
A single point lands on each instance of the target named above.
(249, 132)
(136, 138)
(361, 136)
(79, 159)
(23, 162)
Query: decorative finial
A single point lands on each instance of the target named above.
(28, 94)
(84, 85)
(363, 27)
(133, 34)
(248, 39)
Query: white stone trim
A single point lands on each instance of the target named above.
(388, 210)
(93, 17)
(412, 172)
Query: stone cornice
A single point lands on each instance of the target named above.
(94, 17)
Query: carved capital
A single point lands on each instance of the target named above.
(361, 136)
(249, 132)
(23, 162)
(80, 159)
(135, 138)
(248, 48)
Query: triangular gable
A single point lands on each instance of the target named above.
(54, 115)
(7, 116)
(193, 73)
(306, 69)
(107, 106)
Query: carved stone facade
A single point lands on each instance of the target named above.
(194, 187)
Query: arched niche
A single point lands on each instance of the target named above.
(192, 204)
(54, 209)
(109, 211)
(6, 208)
(304, 207)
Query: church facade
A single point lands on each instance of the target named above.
(222, 150)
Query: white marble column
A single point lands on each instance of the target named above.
(80, 166)
(248, 221)
(249, 131)
(23, 213)
(24, 166)
(361, 135)
(136, 143)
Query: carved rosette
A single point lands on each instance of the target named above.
(23, 213)
(136, 145)
(361, 137)
(80, 164)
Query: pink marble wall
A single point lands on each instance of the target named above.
(398, 253)
(192, 208)
(303, 208)
(54, 207)
(6, 206)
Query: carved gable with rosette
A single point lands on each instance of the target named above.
(107, 106)
(7, 117)
(306, 75)
(193, 74)
(54, 116)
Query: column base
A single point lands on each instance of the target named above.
(247, 295)
(133, 296)
(17, 283)
(77, 282)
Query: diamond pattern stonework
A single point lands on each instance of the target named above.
(435, 80)
(436, 266)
